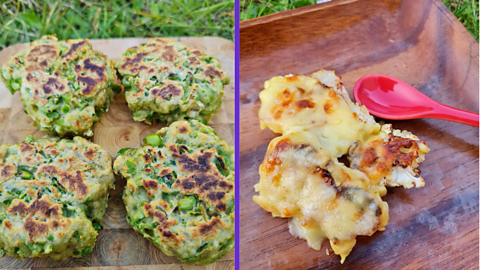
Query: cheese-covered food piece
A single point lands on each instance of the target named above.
(167, 81)
(391, 157)
(320, 123)
(323, 198)
(65, 86)
(318, 103)
(180, 191)
(53, 196)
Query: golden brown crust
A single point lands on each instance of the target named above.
(53, 85)
(150, 184)
(20, 208)
(132, 63)
(90, 153)
(164, 225)
(26, 147)
(165, 171)
(7, 171)
(74, 47)
(169, 54)
(48, 169)
(201, 182)
(74, 183)
(196, 163)
(379, 157)
(167, 92)
(90, 82)
(216, 197)
(212, 72)
(38, 211)
(41, 53)
(305, 103)
(292, 102)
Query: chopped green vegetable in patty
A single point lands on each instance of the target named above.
(177, 197)
(53, 196)
(166, 81)
(65, 86)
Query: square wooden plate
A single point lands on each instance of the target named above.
(417, 41)
(118, 244)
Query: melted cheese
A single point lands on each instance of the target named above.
(301, 103)
(301, 178)
(325, 199)
(313, 234)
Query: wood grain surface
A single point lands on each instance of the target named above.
(118, 244)
(417, 41)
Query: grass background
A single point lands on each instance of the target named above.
(27, 20)
(465, 10)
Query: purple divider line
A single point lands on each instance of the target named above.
(237, 134)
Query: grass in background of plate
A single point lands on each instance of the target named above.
(465, 10)
(27, 20)
(257, 8)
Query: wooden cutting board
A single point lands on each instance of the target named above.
(118, 244)
(417, 41)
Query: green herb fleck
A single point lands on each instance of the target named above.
(138, 215)
(16, 85)
(65, 108)
(25, 175)
(97, 226)
(29, 138)
(53, 115)
(131, 166)
(153, 140)
(86, 251)
(123, 151)
(186, 203)
(116, 89)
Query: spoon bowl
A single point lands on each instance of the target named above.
(390, 98)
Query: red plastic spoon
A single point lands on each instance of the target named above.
(390, 98)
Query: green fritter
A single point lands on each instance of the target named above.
(53, 196)
(166, 81)
(180, 191)
(65, 86)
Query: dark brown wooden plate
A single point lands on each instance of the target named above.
(417, 41)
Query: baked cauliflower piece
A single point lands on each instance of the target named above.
(391, 157)
(301, 177)
(323, 198)
(297, 103)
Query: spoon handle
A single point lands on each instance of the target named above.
(445, 112)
